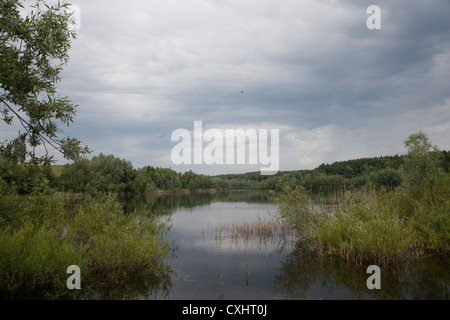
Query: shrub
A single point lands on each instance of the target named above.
(297, 209)
(412, 220)
(118, 245)
(41, 234)
(35, 257)
(364, 227)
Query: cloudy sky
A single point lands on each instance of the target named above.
(336, 90)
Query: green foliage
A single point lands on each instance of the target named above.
(110, 174)
(383, 172)
(363, 226)
(297, 209)
(388, 177)
(368, 223)
(422, 166)
(35, 257)
(106, 173)
(43, 233)
(115, 245)
(26, 177)
(100, 174)
(33, 50)
(430, 215)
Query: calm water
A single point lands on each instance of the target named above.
(211, 263)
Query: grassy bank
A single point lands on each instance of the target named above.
(370, 224)
(412, 221)
(43, 233)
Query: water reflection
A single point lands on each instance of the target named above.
(304, 275)
(167, 203)
(212, 263)
(145, 287)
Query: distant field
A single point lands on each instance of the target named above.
(57, 169)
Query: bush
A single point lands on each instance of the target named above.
(364, 227)
(432, 217)
(116, 245)
(297, 209)
(412, 220)
(34, 257)
(390, 178)
(41, 234)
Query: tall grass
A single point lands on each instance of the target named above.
(412, 220)
(42, 234)
(260, 234)
(364, 226)
(247, 230)
(367, 225)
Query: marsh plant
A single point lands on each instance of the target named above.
(412, 220)
(42, 234)
(261, 233)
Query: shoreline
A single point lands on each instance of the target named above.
(80, 195)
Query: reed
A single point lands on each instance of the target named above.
(42, 234)
(371, 224)
(245, 231)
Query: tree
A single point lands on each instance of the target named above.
(422, 165)
(33, 50)
(388, 177)
(348, 171)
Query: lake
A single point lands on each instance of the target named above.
(230, 245)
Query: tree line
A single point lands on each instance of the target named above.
(384, 171)
(107, 173)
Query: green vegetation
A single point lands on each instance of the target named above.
(33, 51)
(386, 207)
(380, 172)
(110, 174)
(106, 173)
(43, 233)
(412, 220)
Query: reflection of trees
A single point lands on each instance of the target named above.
(138, 288)
(303, 269)
(302, 274)
(166, 203)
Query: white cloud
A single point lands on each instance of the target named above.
(317, 139)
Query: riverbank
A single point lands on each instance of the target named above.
(79, 195)
(410, 221)
(42, 234)
(369, 225)
(184, 191)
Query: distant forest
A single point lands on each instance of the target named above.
(378, 171)
(107, 173)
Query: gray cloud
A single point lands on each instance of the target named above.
(336, 90)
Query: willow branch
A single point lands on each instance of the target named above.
(44, 139)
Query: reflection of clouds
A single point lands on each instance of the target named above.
(253, 235)
(191, 224)
(303, 274)
(213, 228)
(242, 246)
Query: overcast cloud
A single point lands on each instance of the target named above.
(336, 90)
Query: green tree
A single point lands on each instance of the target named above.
(388, 177)
(33, 50)
(422, 165)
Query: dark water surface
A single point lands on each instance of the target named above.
(211, 263)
